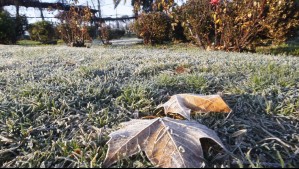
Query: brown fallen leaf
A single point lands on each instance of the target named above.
(167, 142)
(182, 69)
(183, 104)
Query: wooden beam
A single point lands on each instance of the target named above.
(96, 19)
(37, 4)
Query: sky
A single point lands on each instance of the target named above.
(107, 8)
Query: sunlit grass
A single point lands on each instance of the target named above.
(28, 43)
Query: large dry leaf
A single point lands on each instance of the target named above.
(183, 104)
(167, 142)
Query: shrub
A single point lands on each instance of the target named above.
(247, 24)
(7, 29)
(153, 27)
(196, 18)
(21, 25)
(104, 33)
(282, 20)
(42, 31)
(74, 26)
(117, 33)
(237, 25)
(92, 31)
(177, 33)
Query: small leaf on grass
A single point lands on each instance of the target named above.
(239, 133)
(5, 140)
(183, 104)
(167, 142)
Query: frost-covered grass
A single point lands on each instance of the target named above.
(58, 104)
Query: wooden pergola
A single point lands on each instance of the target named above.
(39, 5)
(58, 6)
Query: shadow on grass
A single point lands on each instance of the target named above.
(255, 138)
(286, 49)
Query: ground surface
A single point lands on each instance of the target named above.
(58, 104)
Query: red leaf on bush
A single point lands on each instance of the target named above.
(215, 2)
